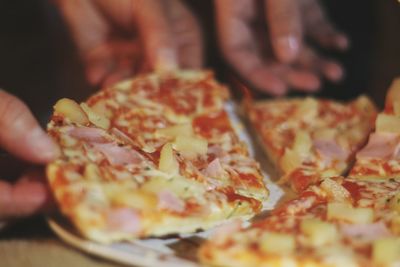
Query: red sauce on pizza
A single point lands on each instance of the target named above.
(206, 124)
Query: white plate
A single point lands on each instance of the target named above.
(179, 251)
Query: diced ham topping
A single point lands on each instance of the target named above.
(366, 232)
(216, 150)
(169, 201)
(88, 134)
(124, 220)
(213, 169)
(330, 150)
(122, 136)
(222, 232)
(118, 155)
(380, 146)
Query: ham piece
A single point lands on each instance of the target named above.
(366, 232)
(169, 201)
(88, 134)
(330, 150)
(380, 146)
(124, 220)
(118, 155)
(213, 169)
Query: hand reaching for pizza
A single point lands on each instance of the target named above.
(265, 45)
(117, 39)
(21, 136)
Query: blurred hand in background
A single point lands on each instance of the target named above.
(265, 42)
(21, 136)
(118, 38)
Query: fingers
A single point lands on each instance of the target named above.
(237, 43)
(309, 60)
(155, 34)
(112, 62)
(187, 35)
(302, 80)
(28, 196)
(285, 28)
(20, 133)
(319, 27)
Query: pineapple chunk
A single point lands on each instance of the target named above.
(290, 161)
(387, 123)
(71, 110)
(386, 251)
(92, 172)
(191, 147)
(319, 232)
(308, 109)
(176, 130)
(136, 199)
(396, 108)
(96, 118)
(336, 191)
(100, 107)
(395, 202)
(277, 243)
(344, 212)
(365, 104)
(325, 134)
(181, 187)
(395, 225)
(168, 163)
(302, 143)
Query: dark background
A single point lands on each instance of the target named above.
(38, 61)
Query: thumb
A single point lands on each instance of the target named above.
(284, 22)
(20, 133)
(153, 26)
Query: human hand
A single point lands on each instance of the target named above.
(21, 135)
(117, 38)
(276, 59)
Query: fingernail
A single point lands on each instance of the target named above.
(166, 60)
(287, 48)
(46, 149)
(334, 72)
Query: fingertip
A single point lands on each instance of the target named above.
(274, 87)
(43, 147)
(286, 48)
(342, 42)
(304, 81)
(333, 71)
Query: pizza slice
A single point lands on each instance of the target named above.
(152, 156)
(339, 222)
(380, 158)
(307, 139)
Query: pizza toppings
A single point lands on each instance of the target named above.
(318, 232)
(310, 139)
(346, 213)
(386, 251)
(380, 145)
(158, 151)
(71, 110)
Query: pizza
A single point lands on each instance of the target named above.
(307, 139)
(381, 157)
(152, 156)
(337, 222)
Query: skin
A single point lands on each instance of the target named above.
(117, 39)
(18, 128)
(265, 43)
